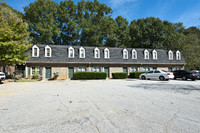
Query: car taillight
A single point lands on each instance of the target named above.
(191, 73)
(168, 73)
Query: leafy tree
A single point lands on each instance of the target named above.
(91, 17)
(122, 32)
(67, 19)
(41, 17)
(155, 33)
(13, 37)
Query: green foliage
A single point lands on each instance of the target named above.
(120, 75)
(35, 75)
(122, 32)
(154, 33)
(14, 38)
(41, 17)
(135, 74)
(89, 75)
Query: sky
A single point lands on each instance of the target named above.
(185, 11)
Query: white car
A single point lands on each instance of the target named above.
(157, 74)
(2, 76)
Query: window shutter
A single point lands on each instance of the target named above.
(29, 71)
(41, 68)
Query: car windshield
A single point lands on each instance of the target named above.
(163, 70)
(150, 72)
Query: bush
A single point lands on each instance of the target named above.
(136, 74)
(119, 75)
(35, 76)
(89, 75)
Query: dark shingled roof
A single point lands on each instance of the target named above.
(60, 55)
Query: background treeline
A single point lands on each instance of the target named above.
(89, 23)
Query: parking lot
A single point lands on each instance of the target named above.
(104, 106)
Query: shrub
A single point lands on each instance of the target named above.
(136, 74)
(89, 75)
(119, 75)
(35, 75)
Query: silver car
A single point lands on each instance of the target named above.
(157, 74)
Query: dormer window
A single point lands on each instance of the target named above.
(146, 54)
(82, 52)
(134, 54)
(35, 51)
(47, 51)
(170, 55)
(178, 55)
(125, 54)
(106, 53)
(71, 52)
(96, 53)
(155, 55)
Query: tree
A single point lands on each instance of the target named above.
(152, 32)
(41, 17)
(122, 32)
(13, 37)
(91, 17)
(67, 19)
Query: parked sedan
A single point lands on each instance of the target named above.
(185, 75)
(197, 73)
(157, 74)
(2, 76)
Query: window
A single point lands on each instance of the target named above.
(155, 55)
(134, 54)
(146, 54)
(133, 69)
(71, 52)
(82, 52)
(35, 51)
(106, 53)
(81, 69)
(96, 53)
(35, 70)
(47, 51)
(169, 69)
(96, 69)
(170, 55)
(156, 71)
(125, 54)
(178, 55)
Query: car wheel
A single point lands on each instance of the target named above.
(184, 78)
(193, 79)
(166, 79)
(174, 78)
(162, 78)
(143, 77)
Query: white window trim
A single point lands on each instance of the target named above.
(135, 54)
(106, 49)
(49, 51)
(69, 52)
(145, 54)
(95, 53)
(178, 52)
(170, 52)
(38, 50)
(125, 50)
(81, 48)
(154, 51)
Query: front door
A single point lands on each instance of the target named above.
(125, 69)
(106, 69)
(48, 72)
(71, 72)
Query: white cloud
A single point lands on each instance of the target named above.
(117, 3)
